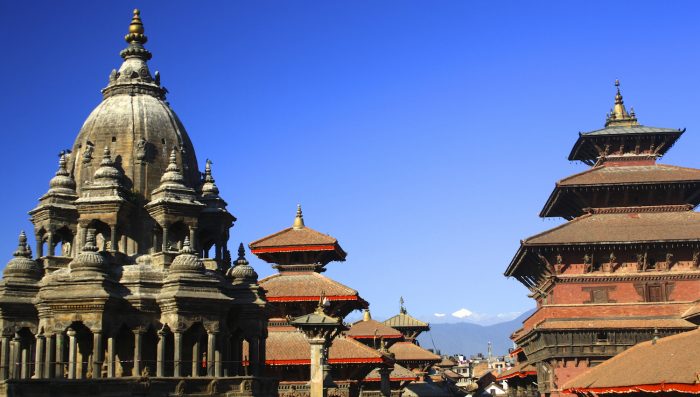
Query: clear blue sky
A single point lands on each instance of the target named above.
(425, 136)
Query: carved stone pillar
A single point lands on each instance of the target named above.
(39, 357)
(160, 355)
(49, 357)
(177, 353)
(39, 246)
(14, 357)
(165, 238)
(138, 336)
(25, 363)
(110, 357)
(50, 245)
(211, 352)
(97, 352)
(316, 380)
(5, 357)
(60, 341)
(218, 358)
(193, 238)
(254, 351)
(72, 353)
(113, 237)
(385, 386)
(196, 350)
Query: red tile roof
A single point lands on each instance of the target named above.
(668, 364)
(368, 329)
(399, 373)
(615, 175)
(622, 228)
(404, 320)
(520, 370)
(292, 348)
(305, 286)
(407, 351)
(617, 323)
(297, 240)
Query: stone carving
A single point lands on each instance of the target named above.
(87, 152)
(141, 150)
(180, 388)
(696, 259)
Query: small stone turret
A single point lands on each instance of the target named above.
(89, 261)
(187, 261)
(21, 266)
(242, 272)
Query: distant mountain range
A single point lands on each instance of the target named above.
(469, 338)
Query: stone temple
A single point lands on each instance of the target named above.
(123, 296)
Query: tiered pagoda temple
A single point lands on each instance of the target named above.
(301, 254)
(122, 297)
(625, 267)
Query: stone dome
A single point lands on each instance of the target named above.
(242, 272)
(136, 123)
(186, 261)
(21, 265)
(89, 260)
(62, 181)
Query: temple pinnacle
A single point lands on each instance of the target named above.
(22, 246)
(618, 115)
(241, 251)
(136, 29)
(299, 219)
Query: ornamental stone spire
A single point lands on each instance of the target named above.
(209, 188)
(21, 266)
(242, 272)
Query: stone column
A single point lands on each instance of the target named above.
(138, 336)
(165, 238)
(25, 363)
(5, 357)
(160, 355)
(211, 352)
(60, 340)
(110, 357)
(97, 352)
(123, 244)
(72, 353)
(49, 244)
(39, 246)
(385, 386)
(39, 357)
(254, 363)
(14, 357)
(218, 358)
(316, 380)
(113, 237)
(177, 353)
(193, 238)
(49, 357)
(196, 357)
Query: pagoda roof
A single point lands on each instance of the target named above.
(615, 175)
(585, 147)
(405, 320)
(614, 323)
(632, 227)
(667, 364)
(307, 286)
(625, 226)
(409, 351)
(520, 370)
(397, 374)
(370, 328)
(290, 347)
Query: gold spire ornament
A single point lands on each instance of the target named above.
(299, 219)
(136, 30)
(618, 116)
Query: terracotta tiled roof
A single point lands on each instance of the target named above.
(292, 348)
(617, 323)
(407, 351)
(366, 329)
(291, 239)
(399, 373)
(446, 362)
(584, 149)
(668, 364)
(693, 311)
(403, 320)
(305, 286)
(520, 370)
(621, 228)
(425, 389)
(609, 175)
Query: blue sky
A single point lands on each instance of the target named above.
(424, 135)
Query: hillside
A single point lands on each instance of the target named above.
(468, 338)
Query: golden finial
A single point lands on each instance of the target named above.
(366, 316)
(136, 25)
(299, 219)
(618, 114)
(136, 30)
